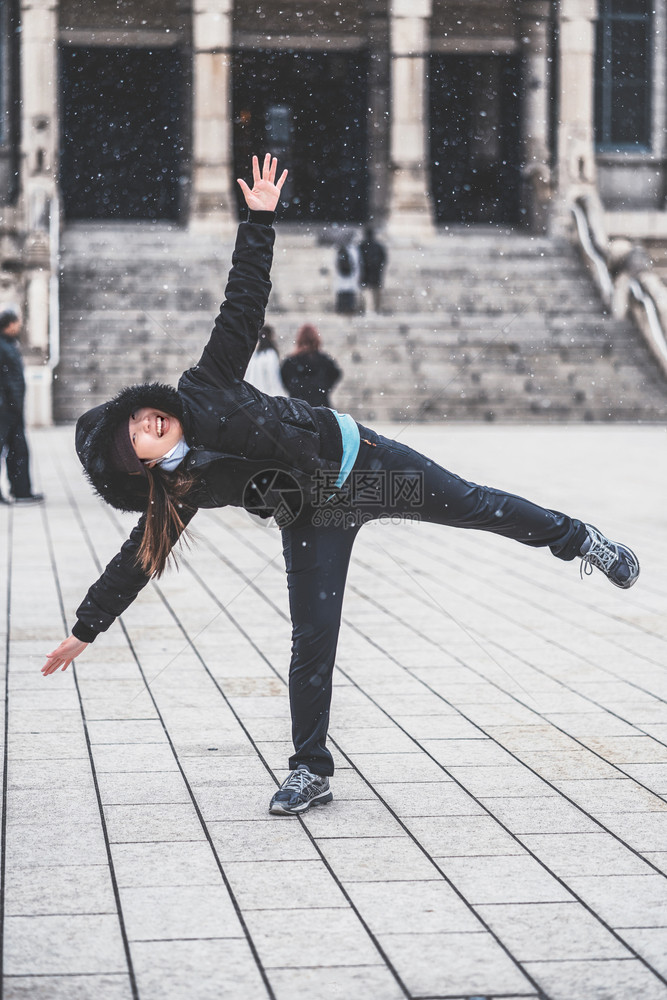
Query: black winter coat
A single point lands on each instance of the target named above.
(310, 376)
(12, 379)
(239, 437)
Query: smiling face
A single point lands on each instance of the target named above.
(153, 433)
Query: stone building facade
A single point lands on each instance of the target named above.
(413, 114)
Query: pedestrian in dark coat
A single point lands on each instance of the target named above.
(373, 258)
(13, 442)
(217, 440)
(309, 373)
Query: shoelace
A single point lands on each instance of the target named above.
(297, 780)
(601, 555)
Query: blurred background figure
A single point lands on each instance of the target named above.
(346, 284)
(309, 373)
(373, 257)
(263, 370)
(13, 445)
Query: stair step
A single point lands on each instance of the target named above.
(482, 324)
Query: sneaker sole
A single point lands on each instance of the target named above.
(625, 586)
(278, 809)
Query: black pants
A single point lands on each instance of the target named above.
(346, 303)
(388, 479)
(12, 437)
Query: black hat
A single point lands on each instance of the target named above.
(105, 450)
(123, 456)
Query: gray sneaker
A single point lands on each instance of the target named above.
(618, 563)
(299, 791)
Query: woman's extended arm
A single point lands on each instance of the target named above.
(109, 596)
(234, 337)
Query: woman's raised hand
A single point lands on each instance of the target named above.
(61, 657)
(265, 191)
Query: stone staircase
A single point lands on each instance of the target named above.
(481, 324)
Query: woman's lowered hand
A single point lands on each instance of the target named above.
(265, 191)
(68, 650)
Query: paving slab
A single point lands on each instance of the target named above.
(43, 845)
(60, 889)
(499, 728)
(284, 885)
(141, 788)
(369, 859)
(597, 980)
(88, 987)
(649, 942)
(432, 798)
(179, 913)
(540, 814)
(164, 864)
(588, 854)
(552, 932)
(448, 964)
(463, 836)
(625, 900)
(51, 945)
(652, 776)
(346, 942)
(326, 983)
(198, 970)
(501, 782)
(261, 840)
(508, 878)
(152, 822)
(427, 907)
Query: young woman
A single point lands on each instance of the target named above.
(217, 440)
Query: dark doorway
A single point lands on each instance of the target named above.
(309, 109)
(475, 138)
(122, 132)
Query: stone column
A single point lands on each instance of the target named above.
(213, 205)
(575, 140)
(378, 114)
(535, 31)
(659, 85)
(39, 171)
(409, 207)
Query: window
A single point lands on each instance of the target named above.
(623, 75)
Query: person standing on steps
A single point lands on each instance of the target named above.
(13, 442)
(373, 258)
(263, 369)
(309, 373)
(216, 440)
(346, 282)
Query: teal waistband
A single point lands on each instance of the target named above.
(351, 441)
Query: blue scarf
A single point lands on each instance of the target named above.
(174, 457)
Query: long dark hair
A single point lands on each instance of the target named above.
(169, 501)
(266, 340)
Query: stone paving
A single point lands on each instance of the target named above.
(499, 827)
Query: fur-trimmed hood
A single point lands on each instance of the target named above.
(94, 439)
